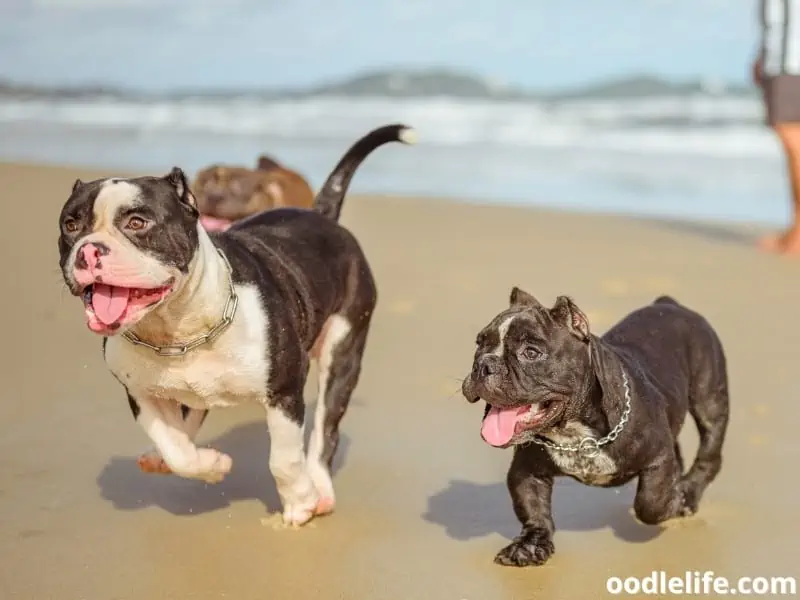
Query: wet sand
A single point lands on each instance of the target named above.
(422, 504)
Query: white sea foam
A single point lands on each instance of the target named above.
(690, 157)
(697, 125)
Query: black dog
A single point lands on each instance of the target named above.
(602, 410)
(193, 321)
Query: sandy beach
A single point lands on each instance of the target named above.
(422, 504)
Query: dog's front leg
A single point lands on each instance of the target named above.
(531, 495)
(287, 460)
(173, 436)
(660, 493)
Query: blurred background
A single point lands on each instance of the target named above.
(637, 107)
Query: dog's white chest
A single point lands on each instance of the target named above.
(592, 468)
(232, 370)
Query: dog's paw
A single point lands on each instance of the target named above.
(688, 499)
(209, 465)
(526, 551)
(213, 465)
(297, 515)
(153, 463)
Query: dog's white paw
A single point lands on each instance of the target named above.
(207, 465)
(299, 513)
(296, 514)
(213, 465)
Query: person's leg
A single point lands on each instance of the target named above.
(789, 241)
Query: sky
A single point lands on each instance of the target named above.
(540, 44)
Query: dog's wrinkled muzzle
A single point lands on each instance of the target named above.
(116, 285)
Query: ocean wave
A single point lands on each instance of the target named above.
(689, 124)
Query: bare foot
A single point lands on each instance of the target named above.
(787, 243)
(770, 243)
(153, 463)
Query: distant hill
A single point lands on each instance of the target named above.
(403, 84)
(433, 82)
(647, 85)
(462, 85)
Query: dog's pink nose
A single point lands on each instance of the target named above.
(89, 256)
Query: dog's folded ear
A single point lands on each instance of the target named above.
(77, 185)
(177, 178)
(566, 312)
(519, 297)
(266, 163)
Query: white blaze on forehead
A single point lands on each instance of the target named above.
(502, 332)
(115, 195)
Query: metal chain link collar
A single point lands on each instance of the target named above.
(590, 446)
(181, 349)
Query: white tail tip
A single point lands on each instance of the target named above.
(408, 136)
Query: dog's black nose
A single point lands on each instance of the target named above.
(489, 364)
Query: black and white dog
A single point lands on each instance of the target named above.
(602, 410)
(193, 321)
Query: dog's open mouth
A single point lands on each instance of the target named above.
(108, 307)
(500, 425)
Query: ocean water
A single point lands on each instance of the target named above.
(691, 156)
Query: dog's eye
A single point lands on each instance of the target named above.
(530, 352)
(70, 226)
(136, 224)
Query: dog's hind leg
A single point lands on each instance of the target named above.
(710, 411)
(659, 496)
(339, 366)
(287, 461)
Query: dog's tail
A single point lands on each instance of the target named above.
(666, 300)
(331, 196)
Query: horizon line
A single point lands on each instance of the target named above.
(489, 81)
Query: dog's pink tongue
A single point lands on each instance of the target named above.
(210, 223)
(498, 426)
(109, 302)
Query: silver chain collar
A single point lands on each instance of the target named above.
(181, 349)
(590, 446)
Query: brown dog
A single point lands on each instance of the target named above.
(227, 193)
